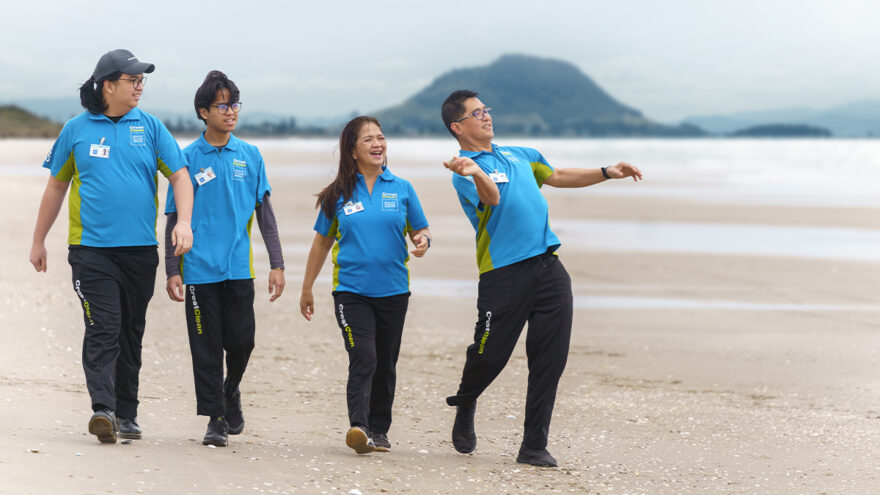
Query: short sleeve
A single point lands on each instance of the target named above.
(170, 206)
(540, 168)
(263, 187)
(415, 216)
(325, 226)
(168, 154)
(60, 161)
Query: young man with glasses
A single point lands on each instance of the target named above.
(521, 279)
(111, 154)
(230, 189)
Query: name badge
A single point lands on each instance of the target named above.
(498, 177)
(206, 175)
(351, 208)
(99, 151)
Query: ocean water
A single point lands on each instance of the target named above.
(822, 172)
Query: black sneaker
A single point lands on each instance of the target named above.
(380, 440)
(358, 439)
(464, 439)
(103, 425)
(234, 417)
(128, 428)
(540, 458)
(217, 434)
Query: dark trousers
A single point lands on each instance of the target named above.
(219, 317)
(537, 291)
(114, 286)
(371, 331)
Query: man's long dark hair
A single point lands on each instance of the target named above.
(91, 93)
(346, 177)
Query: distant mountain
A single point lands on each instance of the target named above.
(856, 119)
(782, 131)
(530, 95)
(19, 123)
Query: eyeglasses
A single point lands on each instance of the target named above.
(136, 83)
(224, 107)
(479, 114)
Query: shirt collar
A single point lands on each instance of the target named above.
(386, 174)
(207, 147)
(472, 154)
(133, 114)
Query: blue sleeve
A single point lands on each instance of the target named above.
(263, 187)
(467, 191)
(415, 216)
(60, 160)
(170, 207)
(168, 154)
(325, 226)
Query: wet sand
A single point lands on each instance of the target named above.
(710, 373)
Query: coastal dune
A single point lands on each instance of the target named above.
(726, 339)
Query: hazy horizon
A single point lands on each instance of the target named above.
(670, 61)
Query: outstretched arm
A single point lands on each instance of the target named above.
(50, 205)
(583, 177)
(320, 248)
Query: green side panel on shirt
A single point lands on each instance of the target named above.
(541, 172)
(484, 258)
(70, 172)
(251, 246)
(334, 231)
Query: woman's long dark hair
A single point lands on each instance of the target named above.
(346, 178)
(91, 93)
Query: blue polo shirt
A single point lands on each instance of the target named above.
(113, 169)
(519, 226)
(370, 253)
(223, 210)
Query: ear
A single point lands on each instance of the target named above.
(456, 128)
(108, 86)
(204, 113)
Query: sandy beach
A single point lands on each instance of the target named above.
(715, 370)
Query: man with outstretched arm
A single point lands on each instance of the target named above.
(521, 278)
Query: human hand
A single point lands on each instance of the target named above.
(174, 287)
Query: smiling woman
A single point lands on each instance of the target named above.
(365, 215)
(113, 228)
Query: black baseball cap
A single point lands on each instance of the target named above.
(120, 60)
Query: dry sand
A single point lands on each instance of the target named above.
(658, 401)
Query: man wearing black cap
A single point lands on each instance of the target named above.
(112, 153)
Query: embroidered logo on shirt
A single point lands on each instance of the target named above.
(138, 135)
(239, 169)
(389, 202)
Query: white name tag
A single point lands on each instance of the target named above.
(99, 151)
(205, 176)
(351, 208)
(498, 177)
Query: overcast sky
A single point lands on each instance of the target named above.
(669, 59)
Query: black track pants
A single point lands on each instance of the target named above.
(219, 317)
(114, 286)
(537, 291)
(371, 331)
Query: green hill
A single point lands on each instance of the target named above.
(529, 96)
(18, 123)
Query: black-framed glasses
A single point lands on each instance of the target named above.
(479, 114)
(137, 82)
(224, 107)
